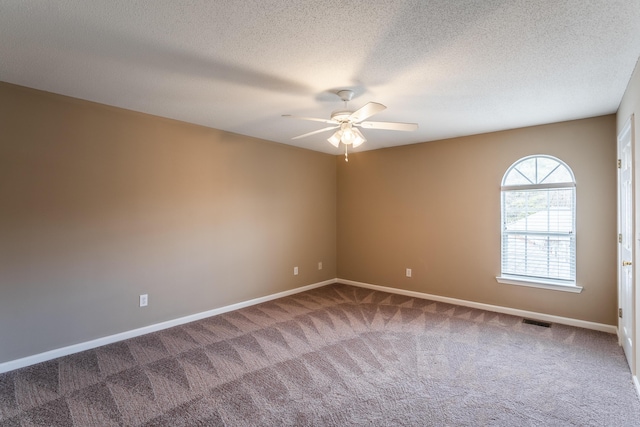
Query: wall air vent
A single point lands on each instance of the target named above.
(536, 323)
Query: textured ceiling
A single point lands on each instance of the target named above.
(454, 67)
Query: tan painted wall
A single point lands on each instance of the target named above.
(435, 208)
(99, 205)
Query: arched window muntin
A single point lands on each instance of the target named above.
(547, 171)
(538, 197)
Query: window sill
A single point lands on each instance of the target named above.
(554, 286)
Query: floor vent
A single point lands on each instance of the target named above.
(537, 323)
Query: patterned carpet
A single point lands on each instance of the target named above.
(335, 356)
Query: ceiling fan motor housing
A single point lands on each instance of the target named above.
(341, 116)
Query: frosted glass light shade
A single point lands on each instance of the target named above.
(335, 139)
(348, 136)
(359, 139)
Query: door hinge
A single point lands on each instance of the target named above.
(620, 238)
(619, 163)
(620, 313)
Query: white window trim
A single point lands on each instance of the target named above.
(541, 284)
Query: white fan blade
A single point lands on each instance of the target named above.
(315, 131)
(389, 125)
(366, 111)
(313, 119)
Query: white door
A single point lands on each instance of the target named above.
(626, 243)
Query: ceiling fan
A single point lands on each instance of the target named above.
(347, 123)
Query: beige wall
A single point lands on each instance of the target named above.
(99, 205)
(435, 208)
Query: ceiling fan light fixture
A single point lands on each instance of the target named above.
(348, 134)
(348, 137)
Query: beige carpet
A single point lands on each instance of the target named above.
(335, 356)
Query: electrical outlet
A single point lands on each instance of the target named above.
(144, 300)
(408, 272)
(295, 271)
(320, 265)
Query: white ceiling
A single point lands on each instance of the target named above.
(455, 67)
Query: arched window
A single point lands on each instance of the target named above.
(538, 223)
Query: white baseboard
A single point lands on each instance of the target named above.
(76, 348)
(495, 308)
(637, 384)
